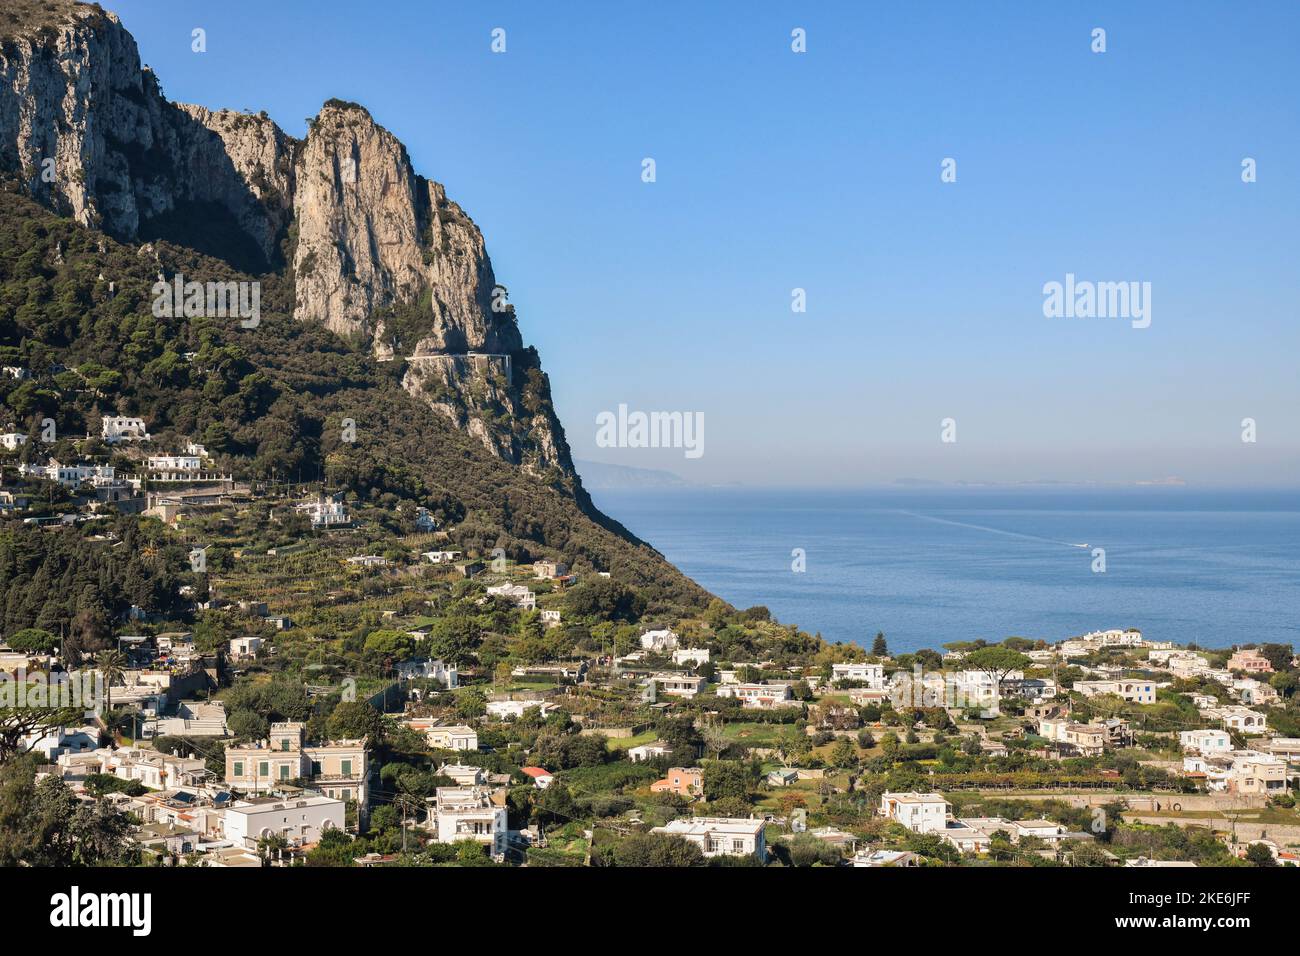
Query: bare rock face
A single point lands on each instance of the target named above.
(380, 255)
(374, 234)
(244, 163)
(469, 311)
(73, 102)
(358, 208)
(91, 135)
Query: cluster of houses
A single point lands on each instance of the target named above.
(94, 484)
(288, 791)
(931, 813)
(280, 790)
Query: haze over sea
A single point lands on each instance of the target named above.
(932, 566)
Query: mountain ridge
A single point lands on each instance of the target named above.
(451, 408)
(375, 251)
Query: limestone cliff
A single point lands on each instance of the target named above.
(377, 253)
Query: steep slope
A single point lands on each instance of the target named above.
(379, 301)
(377, 253)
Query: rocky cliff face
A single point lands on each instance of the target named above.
(377, 252)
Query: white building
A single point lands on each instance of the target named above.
(1133, 691)
(301, 820)
(71, 476)
(691, 655)
(879, 858)
(1240, 771)
(440, 557)
(1253, 692)
(118, 428)
(678, 685)
(452, 737)
(505, 709)
(1188, 664)
(873, 675)
(1205, 741)
(245, 647)
(1115, 637)
(435, 670)
(1241, 719)
(919, 812)
(758, 696)
(470, 813)
(174, 467)
(650, 751)
(157, 771)
(721, 836)
(325, 513)
(13, 440)
(517, 594)
(660, 641)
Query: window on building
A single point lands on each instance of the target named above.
(345, 767)
(737, 846)
(284, 771)
(263, 769)
(238, 769)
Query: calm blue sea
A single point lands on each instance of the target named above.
(927, 567)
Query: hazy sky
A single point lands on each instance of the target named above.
(821, 171)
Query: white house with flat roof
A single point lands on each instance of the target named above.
(659, 641)
(1133, 691)
(452, 737)
(119, 428)
(919, 812)
(721, 836)
(1206, 741)
(517, 594)
(300, 820)
(691, 655)
(873, 675)
(470, 813)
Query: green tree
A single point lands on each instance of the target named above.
(1258, 854)
(33, 640)
(996, 661)
(356, 720)
(111, 665)
(654, 849)
(844, 754)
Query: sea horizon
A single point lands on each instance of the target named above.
(928, 565)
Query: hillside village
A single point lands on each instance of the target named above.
(348, 682)
(321, 586)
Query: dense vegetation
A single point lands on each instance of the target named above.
(268, 403)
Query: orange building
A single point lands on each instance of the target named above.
(683, 781)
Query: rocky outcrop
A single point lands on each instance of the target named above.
(359, 208)
(377, 252)
(91, 135)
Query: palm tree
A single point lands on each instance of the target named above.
(112, 665)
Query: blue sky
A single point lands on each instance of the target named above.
(820, 170)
